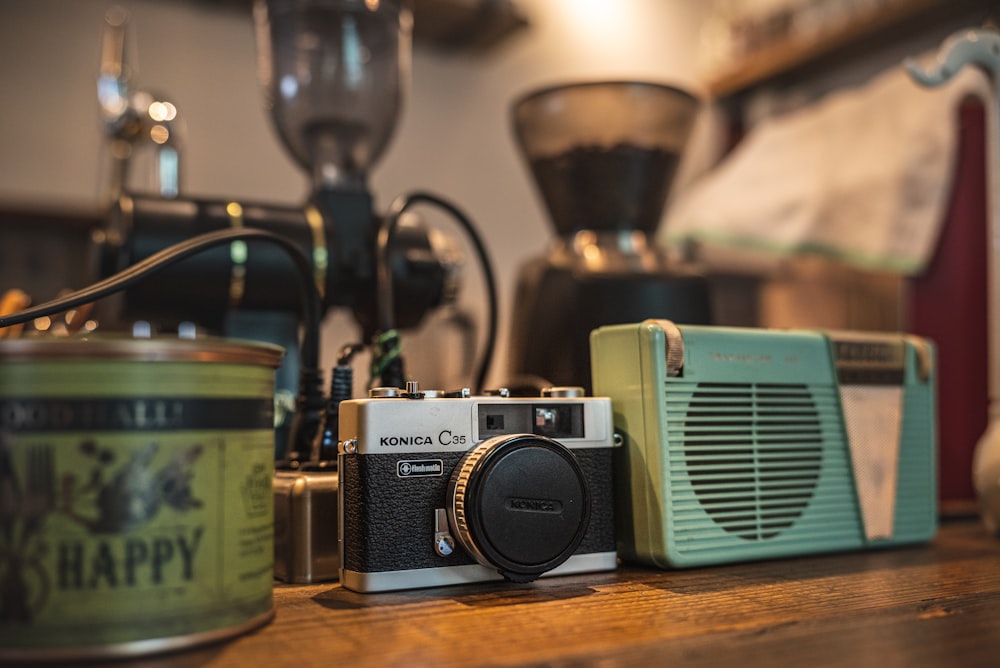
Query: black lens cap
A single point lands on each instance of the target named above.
(521, 503)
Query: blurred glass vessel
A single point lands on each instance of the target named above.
(334, 73)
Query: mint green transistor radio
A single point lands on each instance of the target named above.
(745, 444)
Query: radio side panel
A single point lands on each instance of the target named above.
(615, 371)
(624, 366)
(916, 501)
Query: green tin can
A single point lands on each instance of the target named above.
(136, 511)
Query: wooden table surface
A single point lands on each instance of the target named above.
(933, 605)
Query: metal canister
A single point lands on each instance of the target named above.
(136, 511)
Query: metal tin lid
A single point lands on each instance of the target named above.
(160, 349)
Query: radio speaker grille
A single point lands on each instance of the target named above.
(753, 454)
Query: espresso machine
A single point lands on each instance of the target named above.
(603, 156)
(333, 73)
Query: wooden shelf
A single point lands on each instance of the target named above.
(881, 24)
(457, 25)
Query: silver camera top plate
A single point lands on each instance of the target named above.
(415, 425)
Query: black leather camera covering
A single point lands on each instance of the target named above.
(388, 521)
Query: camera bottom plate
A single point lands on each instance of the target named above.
(452, 575)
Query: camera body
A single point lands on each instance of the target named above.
(440, 489)
(744, 444)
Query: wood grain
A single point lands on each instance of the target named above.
(924, 606)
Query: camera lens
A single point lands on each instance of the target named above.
(519, 503)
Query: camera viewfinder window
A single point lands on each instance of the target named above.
(500, 419)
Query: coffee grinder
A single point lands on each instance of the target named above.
(603, 156)
(334, 74)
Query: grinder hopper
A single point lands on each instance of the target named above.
(603, 155)
(333, 73)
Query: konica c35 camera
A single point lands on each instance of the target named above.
(439, 489)
(746, 444)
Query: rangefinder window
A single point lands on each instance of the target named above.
(558, 421)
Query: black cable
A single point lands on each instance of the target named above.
(386, 303)
(310, 299)
(310, 398)
(387, 359)
(324, 454)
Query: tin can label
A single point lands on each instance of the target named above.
(135, 501)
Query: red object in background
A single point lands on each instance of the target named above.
(948, 304)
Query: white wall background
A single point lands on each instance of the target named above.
(454, 137)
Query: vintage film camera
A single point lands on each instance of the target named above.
(442, 489)
(745, 444)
